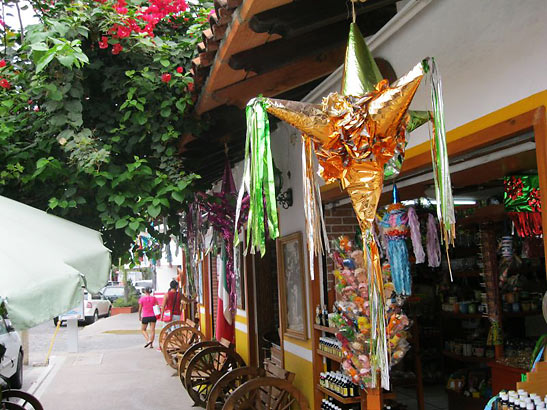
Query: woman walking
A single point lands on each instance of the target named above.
(171, 309)
(147, 316)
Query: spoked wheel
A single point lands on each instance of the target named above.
(177, 342)
(206, 368)
(189, 355)
(21, 398)
(168, 328)
(228, 383)
(10, 406)
(266, 393)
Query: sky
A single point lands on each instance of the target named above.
(26, 15)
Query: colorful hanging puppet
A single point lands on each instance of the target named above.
(523, 203)
(395, 227)
(355, 134)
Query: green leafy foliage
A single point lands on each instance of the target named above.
(89, 127)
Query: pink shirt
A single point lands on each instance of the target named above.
(147, 303)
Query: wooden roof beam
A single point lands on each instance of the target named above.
(276, 82)
(303, 16)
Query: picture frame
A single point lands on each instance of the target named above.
(292, 286)
(239, 273)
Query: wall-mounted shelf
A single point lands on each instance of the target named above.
(470, 359)
(330, 356)
(337, 397)
(325, 328)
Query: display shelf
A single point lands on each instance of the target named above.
(470, 359)
(467, 274)
(337, 397)
(521, 314)
(463, 315)
(325, 328)
(330, 356)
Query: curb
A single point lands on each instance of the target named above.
(40, 385)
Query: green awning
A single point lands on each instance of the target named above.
(44, 262)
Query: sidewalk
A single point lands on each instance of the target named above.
(118, 374)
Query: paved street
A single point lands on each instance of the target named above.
(112, 370)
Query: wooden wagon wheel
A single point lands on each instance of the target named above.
(168, 328)
(189, 355)
(206, 367)
(228, 383)
(266, 393)
(178, 341)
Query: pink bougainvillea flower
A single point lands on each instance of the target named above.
(2, 23)
(123, 32)
(36, 108)
(212, 12)
(180, 70)
(117, 48)
(166, 77)
(5, 84)
(104, 42)
(2, 63)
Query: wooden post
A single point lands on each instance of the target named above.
(373, 399)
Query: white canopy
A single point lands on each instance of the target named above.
(44, 262)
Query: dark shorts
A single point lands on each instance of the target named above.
(149, 319)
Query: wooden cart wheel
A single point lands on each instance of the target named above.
(224, 387)
(168, 328)
(206, 367)
(266, 393)
(177, 342)
(189, 355)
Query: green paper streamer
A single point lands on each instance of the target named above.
(258, 180)
(439, 157)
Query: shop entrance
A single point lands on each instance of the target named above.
(264, 334)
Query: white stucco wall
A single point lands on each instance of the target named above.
(491, 53)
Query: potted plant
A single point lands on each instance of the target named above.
(122, 305)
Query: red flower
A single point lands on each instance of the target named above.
(190, 87)
(180, 70)
(166, 77)
(104, 42)
(2, 63)
(534, 200)
(123, 31)
(5, 84)
(117, 48)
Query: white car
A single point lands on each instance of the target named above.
(141, 285)
(11, 364)
(93, 307)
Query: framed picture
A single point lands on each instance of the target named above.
(292, 285)
(239, 271)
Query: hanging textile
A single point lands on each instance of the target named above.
(522, 201)
(433, 246)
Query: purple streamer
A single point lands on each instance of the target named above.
(415, 235)
(433, 245)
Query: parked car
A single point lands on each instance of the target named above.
(92, 308)
(140, 285)
(11, 355)
(113, 292)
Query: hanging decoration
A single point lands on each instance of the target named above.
(355, 310)
(416, 235)
(433, 246)
(219, 209)
(395, 227)
(354, 134)
(258, 181)
(522, 201)
(316, 233)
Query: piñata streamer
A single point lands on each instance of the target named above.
(258, 180)
(439, 157)
(316, 233)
